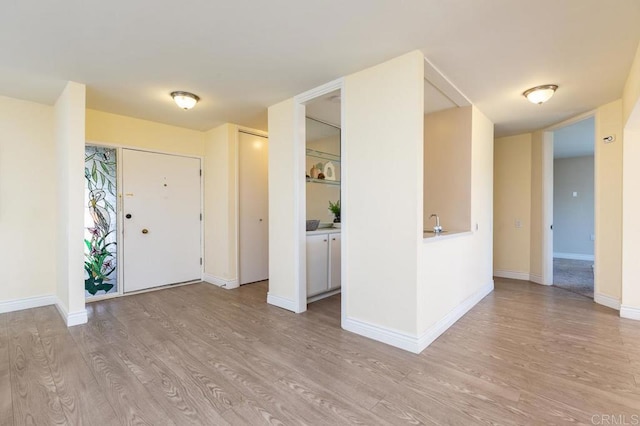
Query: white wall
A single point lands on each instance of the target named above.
(457, 272)
(383, 155)
(28, 200)
(573, 217)
(447, 168)
(69, 122)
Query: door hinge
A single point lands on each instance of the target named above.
(200, 216)
(200, 172)
(201, 261)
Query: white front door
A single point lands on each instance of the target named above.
(253, 177)
(161, 207)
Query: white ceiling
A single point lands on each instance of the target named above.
(241, 56)
(575, 140)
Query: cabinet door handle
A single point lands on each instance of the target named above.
(333, 239)
(324, 241)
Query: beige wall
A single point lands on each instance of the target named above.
(69, 113)
(220, 200)
(383, 130)
(631, 91)
(137, 133)
(512, 202)
(28, 200)
(608, 190)
(631, 202)
(447, 168)
(457, 272)
(284, 190)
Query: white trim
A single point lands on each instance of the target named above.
(454, 315)
(281, 302)
(71, 318)
(513, 275)
(608, 301)
(220, 282)
(27, 303)
(630, 312)
(412, 343)
(573, 256)
(572, 120)
(381, 334)
(322, 296)
(538, 279)
(436, 78)
(299, 248)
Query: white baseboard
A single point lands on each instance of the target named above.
(220, 282)
(454, 315)
(535, 278)
(27, 303)
(323, 295)
(514, 275)
(608, 301)
(574, 256)
(630, 312)
(281, 302)
(72, 318)
(409, 342)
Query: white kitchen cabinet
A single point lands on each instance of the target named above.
(323, 262)
(334, 261)
(317, 260)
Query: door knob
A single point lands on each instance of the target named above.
(145, 231)
(128, 216)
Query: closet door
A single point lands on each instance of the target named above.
(254, 208)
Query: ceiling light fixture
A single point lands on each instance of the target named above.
(185, 100)
(540, 94)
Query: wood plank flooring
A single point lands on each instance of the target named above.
(197, 354)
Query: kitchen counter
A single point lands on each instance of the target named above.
(320, 231)
(429, 237)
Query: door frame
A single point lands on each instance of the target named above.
(547, 196)
(120, 215)
(300, 140)
(236, 184)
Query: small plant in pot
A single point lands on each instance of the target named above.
(335, 209)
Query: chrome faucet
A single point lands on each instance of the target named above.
(437, 229)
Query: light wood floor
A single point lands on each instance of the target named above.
(526, 354)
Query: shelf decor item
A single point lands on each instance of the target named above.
(335, 209)
(329, 171)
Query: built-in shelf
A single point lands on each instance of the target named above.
(323, 155)
(323, 181)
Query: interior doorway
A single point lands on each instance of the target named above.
(323, 172)
(573, 207)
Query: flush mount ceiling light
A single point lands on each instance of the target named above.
(185, 100)
(540, 94)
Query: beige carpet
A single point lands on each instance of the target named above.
(574, 275)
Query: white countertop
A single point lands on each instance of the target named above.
(429, 237)
(321, 231)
